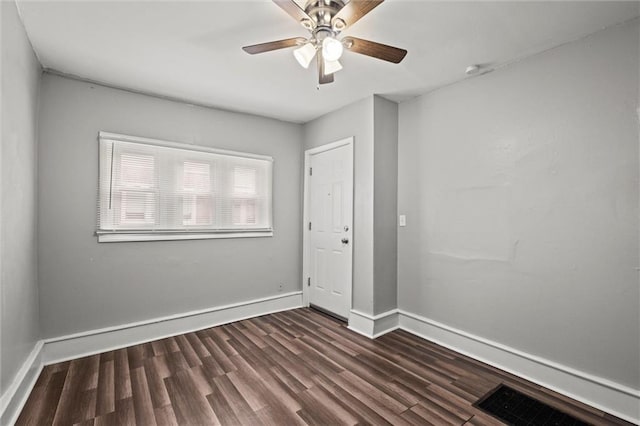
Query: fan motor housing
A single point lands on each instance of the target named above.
(323, 11)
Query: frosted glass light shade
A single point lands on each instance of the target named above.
(331, 49)
(332, 66)
(305, 54)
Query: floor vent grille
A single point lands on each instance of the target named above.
(516, 408)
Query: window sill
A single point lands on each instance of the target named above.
(126, 237)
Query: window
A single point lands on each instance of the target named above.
(244, 195)
(136, 189)
(155, 190)
(197, 200)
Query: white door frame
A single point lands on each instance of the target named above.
(305, 224)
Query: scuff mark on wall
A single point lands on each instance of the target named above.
(468, 259)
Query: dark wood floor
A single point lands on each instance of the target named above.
(295, 367)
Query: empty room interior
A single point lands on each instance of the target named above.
(320, 212)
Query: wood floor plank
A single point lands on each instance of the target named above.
(282, 328)
(197, 345)
(106, 402)
(189, 405)
(142, 404)
(290, 366)
(287, 380)
(138, 353)
(282, 406)
(245, 339)
(165, 416)
(200, 380)
(187, 351)
(435, 415)
(313, 412)
(176, 362)
(122, 380)
(222, 408)
(85, 408)
(296, 367)
(159, 347)
(155, 375)
(45, 375)
(449, 401)
(92, 372)
(280, 390)
(374, 373)
(218, 355)
(320, 398)
(123, 415)
(481, 419)
(377, 394)
(43, 401)
(211, 367)
(262, 327)
(248, 391)
(220, 337)
(239, 406)
(171, 345)
(290, 344)
(367, 408)
(73, 404)
(249, 333)
(412, 418)
(333, 396)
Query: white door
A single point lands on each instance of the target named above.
(329, 231)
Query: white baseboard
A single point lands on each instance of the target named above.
(92, 342)
(614, 398)
(603, 394)
(63, 348)
(373, 326)
(14, 398)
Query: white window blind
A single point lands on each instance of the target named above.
(150, 189)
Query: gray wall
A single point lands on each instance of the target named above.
(354, 120)
(385, 203)
(521, 194)
(18, 286)
(86, 285)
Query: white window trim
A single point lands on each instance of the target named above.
(171, 144)
(162, 235)
(159, 236)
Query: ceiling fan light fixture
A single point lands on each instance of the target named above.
(331, 49)
(305, 54)
(325, 20)
(332, 66)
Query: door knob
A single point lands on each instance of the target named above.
(345, 241)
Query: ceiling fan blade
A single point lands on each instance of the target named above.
(375, 50)
(292, 8)
(322, 77)
(273, 45)
(354, 10)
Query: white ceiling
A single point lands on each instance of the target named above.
(192, 50)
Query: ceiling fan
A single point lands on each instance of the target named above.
(325, 20)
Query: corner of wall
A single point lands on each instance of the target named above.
(20, 360)
(385, 116)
